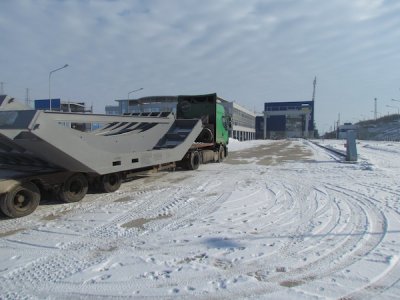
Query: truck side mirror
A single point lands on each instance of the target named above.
(227, 121)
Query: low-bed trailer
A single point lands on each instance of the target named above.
(41, 151)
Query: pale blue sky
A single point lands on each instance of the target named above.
(250, 51)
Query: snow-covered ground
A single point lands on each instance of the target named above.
(276, 220)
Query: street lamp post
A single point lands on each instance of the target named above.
(131, 93)
(134, 91)
(51, 72)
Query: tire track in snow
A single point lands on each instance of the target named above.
(43, 269)
(297, 241)
(390, 194)
(355, 244)
(380, 283)
(27, 238)
(358, 242)
(102, 239)
(346, 223)
(374, 242)
(58, 209)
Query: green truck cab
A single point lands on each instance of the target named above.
(212, 113)
(216, 122)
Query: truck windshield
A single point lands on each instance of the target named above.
(18, 119)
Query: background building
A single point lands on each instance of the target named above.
(64, 106)
(243, 121)
(288, 120)
(144, 104)
(113, 110)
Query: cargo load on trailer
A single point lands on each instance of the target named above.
(43, 151)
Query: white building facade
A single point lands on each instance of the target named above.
(243, 121)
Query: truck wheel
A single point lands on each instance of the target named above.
(194, 161)
(73, 189)
(221, 154)
(21, 201)
(111, 182)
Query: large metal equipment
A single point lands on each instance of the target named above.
(121, 143)
(65, 154)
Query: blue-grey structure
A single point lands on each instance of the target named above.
(259, 127)
(288, 119)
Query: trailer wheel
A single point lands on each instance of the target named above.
(111, 182)
(73, 189)
(194, 161)
(221, 154)
(21, 201)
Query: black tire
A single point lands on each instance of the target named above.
(194, 161)
(21, 201)
(73, 189)
(111, 182)
(221, 154)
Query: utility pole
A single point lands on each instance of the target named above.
(27, 100)
(51, 72)
(337, 127)
(313, 106)
(376, 109)
(314, 84)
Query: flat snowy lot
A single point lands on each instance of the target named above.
(276, 220)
